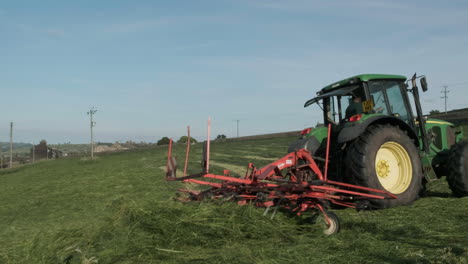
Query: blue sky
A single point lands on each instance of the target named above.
(153, 67)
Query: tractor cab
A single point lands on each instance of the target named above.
(348, 100)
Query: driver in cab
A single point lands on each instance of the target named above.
(355, 107)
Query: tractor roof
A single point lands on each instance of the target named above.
(360, 78)
(347, 85)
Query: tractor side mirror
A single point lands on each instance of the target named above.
(423, 84)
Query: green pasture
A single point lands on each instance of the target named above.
(120, 209)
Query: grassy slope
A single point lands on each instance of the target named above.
(119, 209)
(18, 148)
(77, 148)
(465, 131)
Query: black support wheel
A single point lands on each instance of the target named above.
(384, 157)
(330, 228)
(458, 169)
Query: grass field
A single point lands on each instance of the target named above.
(119, 209)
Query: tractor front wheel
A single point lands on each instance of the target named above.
(458, 169)
(384, 157)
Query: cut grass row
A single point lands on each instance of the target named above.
(119, 209)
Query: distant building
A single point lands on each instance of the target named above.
(42, 151)
(457, 116)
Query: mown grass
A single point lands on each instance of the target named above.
(119, 209)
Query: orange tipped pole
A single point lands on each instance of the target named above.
(169, 155)
(187, 151)
(208, 146)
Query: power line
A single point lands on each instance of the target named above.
(451, 84)
(456, 84)
(445, 97)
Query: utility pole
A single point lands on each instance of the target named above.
(11, 144)
(33, 153)
(237, 127)
(445, 92)
(91, 112)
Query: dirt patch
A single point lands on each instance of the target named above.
(104, 148)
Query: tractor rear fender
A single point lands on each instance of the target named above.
(353, 130)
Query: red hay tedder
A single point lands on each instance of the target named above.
(294, 183)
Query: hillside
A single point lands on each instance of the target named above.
(119, 209)
(18, 148)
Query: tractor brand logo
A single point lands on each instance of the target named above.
(281, 165)
(289, 162)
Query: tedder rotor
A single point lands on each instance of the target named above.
(294, 183)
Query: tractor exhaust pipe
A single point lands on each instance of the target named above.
(421, 120)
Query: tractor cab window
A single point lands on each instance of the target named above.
(388, 98)
(378, 98)
(332, 111)
(346, 103)
(338, 104)
(351, 104)
(397, 103)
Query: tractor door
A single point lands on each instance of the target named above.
(390, 98)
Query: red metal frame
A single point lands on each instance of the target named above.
(278, 184)
(327, 151)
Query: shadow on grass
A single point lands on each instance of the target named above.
(437, 194)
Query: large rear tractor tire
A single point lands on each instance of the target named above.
(458, 169)
(384, 157)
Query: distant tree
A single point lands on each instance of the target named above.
(221, 137)
(183, 139)
(43, 142)
(434, 112)
(163, 141)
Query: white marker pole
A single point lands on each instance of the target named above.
(208, 146)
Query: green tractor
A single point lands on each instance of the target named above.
(378, 141)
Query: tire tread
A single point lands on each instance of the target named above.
(456, 177)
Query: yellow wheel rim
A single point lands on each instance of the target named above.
(393, 167)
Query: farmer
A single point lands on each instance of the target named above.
(355, 107)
